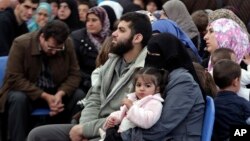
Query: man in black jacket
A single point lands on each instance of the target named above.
(13, 23)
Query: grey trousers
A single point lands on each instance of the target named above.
(19, 108)
(54, 132)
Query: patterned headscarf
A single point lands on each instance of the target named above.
(230, 35)
(168, 26)
(98, 39)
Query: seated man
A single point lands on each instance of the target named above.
(42, 70)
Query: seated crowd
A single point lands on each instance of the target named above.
(121, 70)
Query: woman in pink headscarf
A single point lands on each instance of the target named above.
(226, 33)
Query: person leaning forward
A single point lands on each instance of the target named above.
(42, 70)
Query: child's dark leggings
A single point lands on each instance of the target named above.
(112, 134)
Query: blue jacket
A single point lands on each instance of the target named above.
(230, 109)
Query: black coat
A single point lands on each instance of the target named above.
(86, 54)
(9, 30)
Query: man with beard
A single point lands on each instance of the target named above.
(129, 40)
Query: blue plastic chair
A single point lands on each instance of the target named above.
(3, 64)
(40, 112)
(208, 122)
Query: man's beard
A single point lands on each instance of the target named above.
(122, 47)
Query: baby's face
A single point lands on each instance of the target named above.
(143, 89)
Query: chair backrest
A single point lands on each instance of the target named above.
(3, 64)
(208, 122)
(40, 112)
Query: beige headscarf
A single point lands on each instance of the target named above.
(177, 11)
(228, 14)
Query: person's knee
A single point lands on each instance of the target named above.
(17, 97)
(35, 135)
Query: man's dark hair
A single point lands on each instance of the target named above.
(32, 1)
(151, 74)
(200, 18)
(56, 29)
(84, 2)
(139, 23)
(51, 1)
(224, 72)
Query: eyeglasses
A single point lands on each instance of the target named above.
(57, 48)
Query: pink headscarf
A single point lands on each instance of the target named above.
(230, 35)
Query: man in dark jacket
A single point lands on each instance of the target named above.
(13, 23)
(42, 71)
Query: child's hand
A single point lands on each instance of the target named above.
(127, 102)
(111, 121)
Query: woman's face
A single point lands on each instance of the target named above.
(64, 11)
(42, 17)
(93, 24)
(151, 7)
(211, 40)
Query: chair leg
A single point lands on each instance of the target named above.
(3, 128)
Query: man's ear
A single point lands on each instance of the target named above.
(138, 38)
(236, 82)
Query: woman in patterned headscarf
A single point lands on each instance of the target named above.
(226, 33)
(88, 42)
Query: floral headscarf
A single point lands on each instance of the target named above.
(100, 12)
(230, 35)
